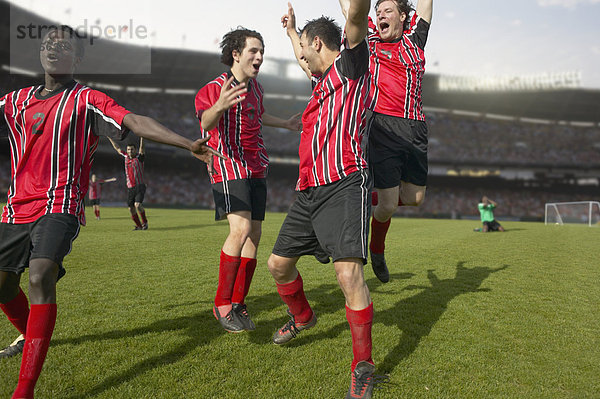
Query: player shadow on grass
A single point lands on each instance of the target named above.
(201, 329)
(416, 316)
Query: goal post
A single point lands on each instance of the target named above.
(578, 212)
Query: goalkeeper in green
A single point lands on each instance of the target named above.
(486, 210)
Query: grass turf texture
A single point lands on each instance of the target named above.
(466, 315)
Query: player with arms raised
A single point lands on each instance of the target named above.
(136, 188)
(53, 131)
(230, 110)
(397, 130)
(330, 216)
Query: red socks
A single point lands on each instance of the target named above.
(360, 326)
(17, 311)
(293, 296)
(243, 279)
(136, 219)
(143, 215)
(378, 232)
(97, 213)
(228, 270)
(39, 331)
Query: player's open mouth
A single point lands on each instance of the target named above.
(52, 57)
(383, 26)
(256, 67)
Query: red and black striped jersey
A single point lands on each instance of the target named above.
(238, 135)
(134, 169)
(334, 121)
(52, 141)
(397, 70)
(95, 189)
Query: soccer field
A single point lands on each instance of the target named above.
(465, 315)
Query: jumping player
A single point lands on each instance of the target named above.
(330, 216)
(95, 191)
(136, 188)
(53, 130)
(397, 145)
(230, 110)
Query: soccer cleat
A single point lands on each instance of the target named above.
(244, 317)
(13, 349)
(361, 381)
(145, 226)
(137, 228)
(380, 267)
(291, 329)
(230, 322)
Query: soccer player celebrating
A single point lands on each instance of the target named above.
(53, 130)
(136, 189)
(95, 191)
(230, 110)
(397, 130)
(330, 215)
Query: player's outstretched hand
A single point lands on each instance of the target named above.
(295, 122)
(288, 21)
(204, 153)
(231, 95)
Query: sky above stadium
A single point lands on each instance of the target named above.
(467, 37)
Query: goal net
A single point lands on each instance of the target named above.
(580, 212)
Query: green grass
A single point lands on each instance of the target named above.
(466, 315)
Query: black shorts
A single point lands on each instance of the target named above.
(240, 195)
(48, 237)
(397, 151)
(328, 221)
(136, 194)
(493, 225)
(95, 201)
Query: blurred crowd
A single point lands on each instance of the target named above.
(455, 139)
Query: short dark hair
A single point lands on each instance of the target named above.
(404, 6)
(77, 39)
(132, 145)
(236, 40)
(328, 31)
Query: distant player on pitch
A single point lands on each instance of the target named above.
(53, 130)
(230, 110)
(486, 212)
(330, 216)
(136, 188)
(397, 145)
(95, 192)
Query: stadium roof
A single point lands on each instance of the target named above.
(184, 69)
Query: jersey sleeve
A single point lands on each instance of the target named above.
(142, 157)
(206, 98)
(354, 63)
(106, 116)
(418, 31)
(3, 125)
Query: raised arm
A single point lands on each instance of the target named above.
(288, 21)
(146, 127)
(228, 98)
(141, 146)
(345, 5)
(115, 145)
(357, 21)
(294, 123)
(425, 9)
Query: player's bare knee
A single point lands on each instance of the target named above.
(386, 210)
